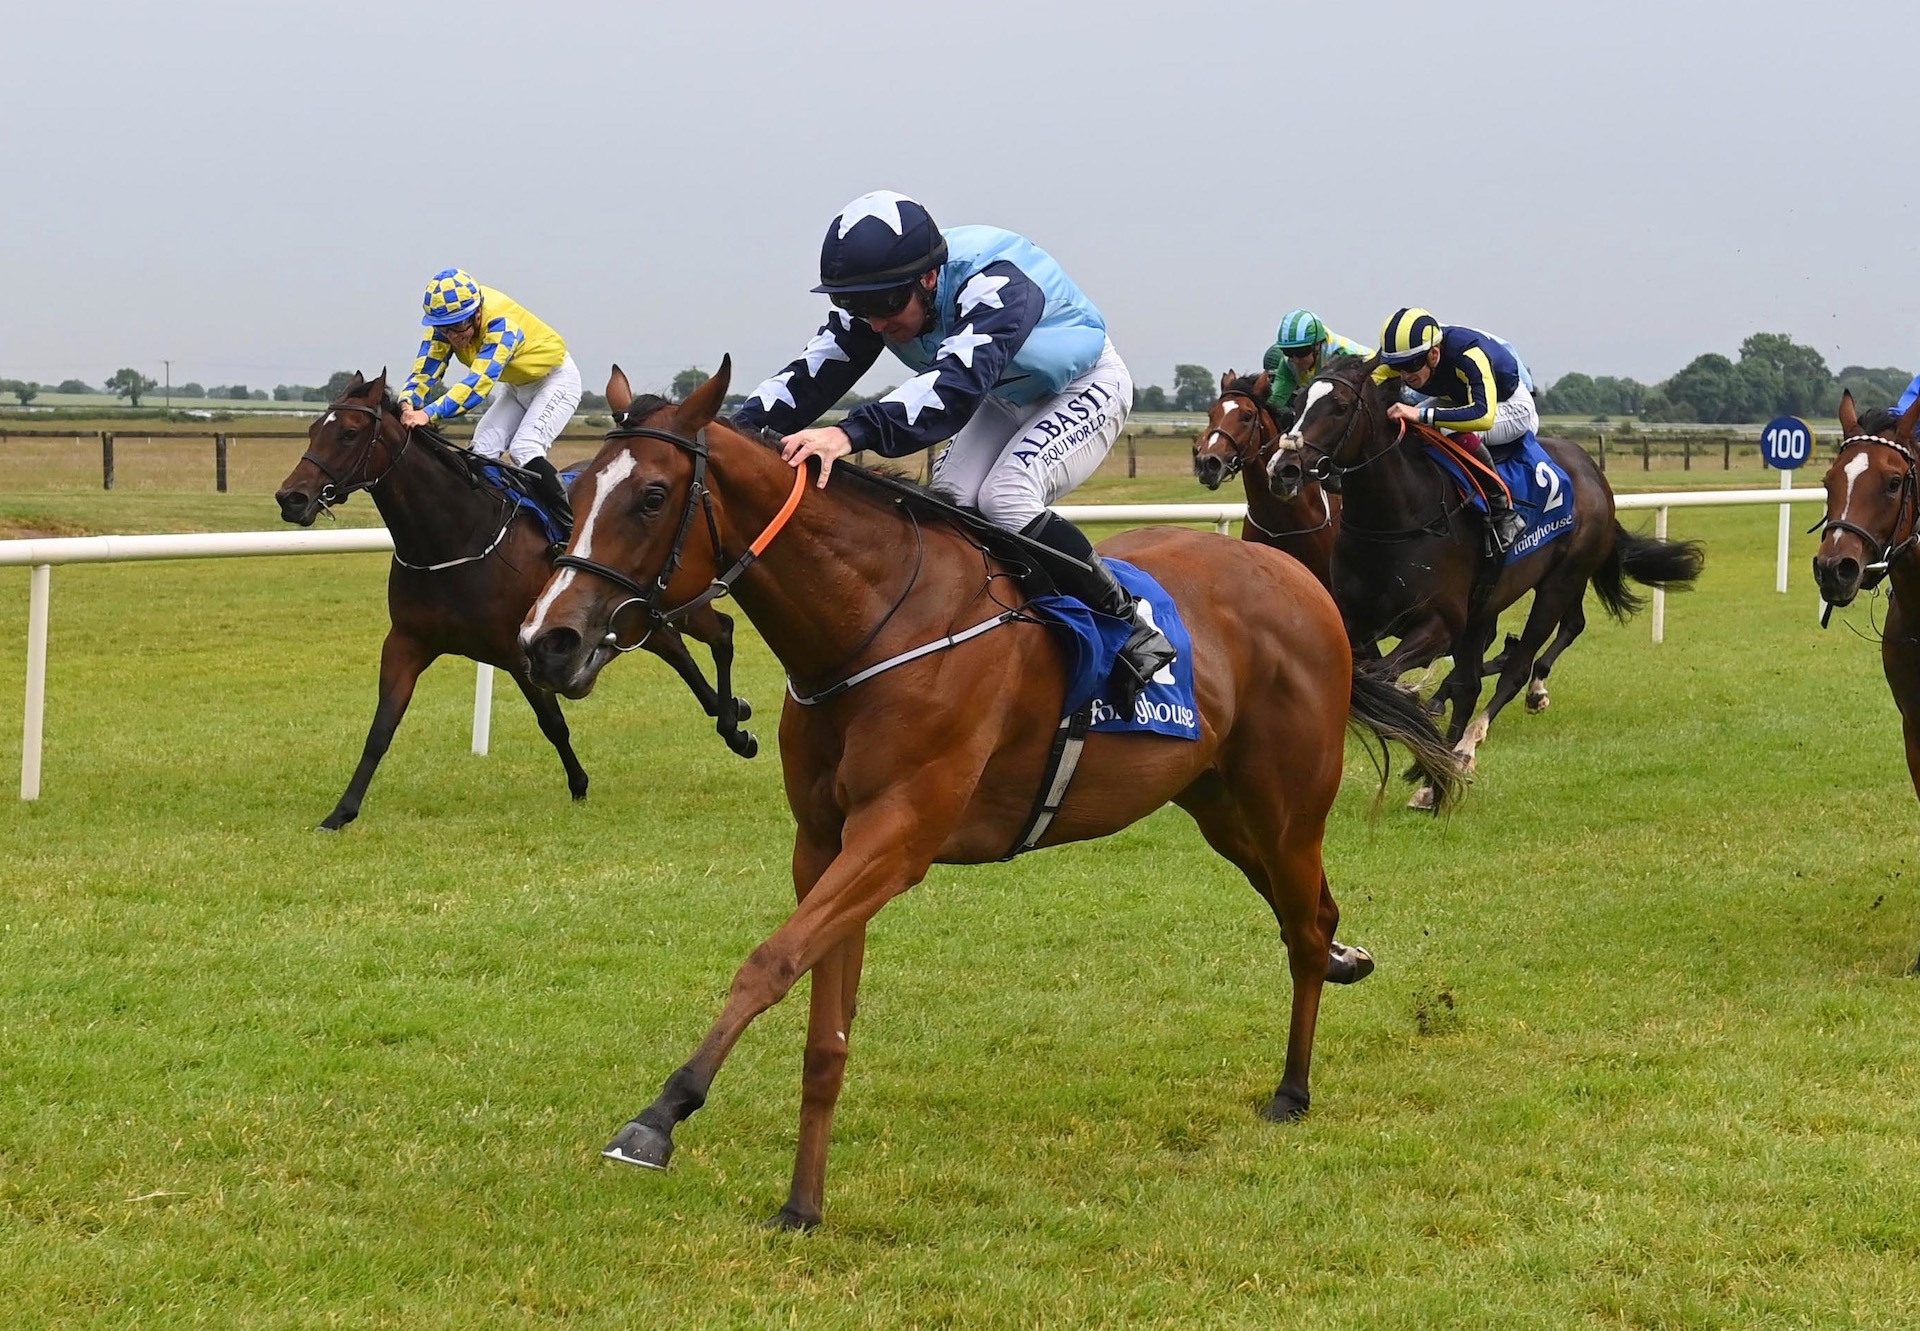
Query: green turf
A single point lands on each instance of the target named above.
(1640, 1050)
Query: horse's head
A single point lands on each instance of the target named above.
(349, 448)
(1239, 429)
(635, 507)
(1337, 414)
(1871, 501)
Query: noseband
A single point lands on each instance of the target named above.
(337, 489)
(1908, 514)
(1324, 468)
(700, 496)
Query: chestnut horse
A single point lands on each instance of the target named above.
(895, 758)
(466, 565)
(1410, 560)
(1869, 533)
(1241, 431)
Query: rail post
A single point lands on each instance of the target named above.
(1133, 458)
(1660, 593)
(1646, 453)
(1786, 531)
(106, 459)
(40, 583)
(1726, 454)
(1686, 454)
(1603, 452)
(220, 463)
(482, 709)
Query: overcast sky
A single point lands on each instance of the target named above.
(258, 191)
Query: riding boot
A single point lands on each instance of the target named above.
(552, 492)
(1504, 525)
(1147, 651)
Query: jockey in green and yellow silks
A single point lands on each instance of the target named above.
(1301, 348)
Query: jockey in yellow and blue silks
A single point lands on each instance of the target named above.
(1301, 348)
(1011, 363)
(1469, 384)
(518, 367)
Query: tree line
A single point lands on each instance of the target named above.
(1774, 376)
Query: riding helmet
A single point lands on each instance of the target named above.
(879, 241)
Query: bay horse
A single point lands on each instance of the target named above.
(467, 563)
(1868, 534)
(1409, 561)
(1241, 431)
(911, 734)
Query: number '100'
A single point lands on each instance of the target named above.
(1787, 443)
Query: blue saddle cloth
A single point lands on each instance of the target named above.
(504, 480)
(1166, 706)
(1542, 492)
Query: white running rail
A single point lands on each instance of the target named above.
(40, 555)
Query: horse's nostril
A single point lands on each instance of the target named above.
(554, 646)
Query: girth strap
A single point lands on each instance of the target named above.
(1069, 739)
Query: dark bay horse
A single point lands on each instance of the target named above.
(1241, 431)
(1871, 526)
(1410, 563)
(941, 759)
(467, 563)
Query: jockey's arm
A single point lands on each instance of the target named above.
(498, 344)
(841, 351)
(429, 363)
(1478, 399)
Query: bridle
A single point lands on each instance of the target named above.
(1324, 468)
(1907, 515)
(700, 496)
(1234, 460)
(337, 489)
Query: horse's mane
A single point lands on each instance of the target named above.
(1878, 420)
(1245, 383)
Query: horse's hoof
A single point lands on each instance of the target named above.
(336, 820)
(744, 743)
(1422, 800)
(579, 792)
(1538, 702)
(742, 710)
(1348, 965)
(1286, 1107)
(639, 1144)
(791, 1221)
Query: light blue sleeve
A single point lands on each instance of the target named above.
(1906, 398)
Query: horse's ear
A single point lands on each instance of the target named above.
(1909, 418)
(359, 382)
(619, 391)
(704, 402)
(1226, 381)
(1849, 416)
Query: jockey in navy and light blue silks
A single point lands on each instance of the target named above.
(1011, 362)
(1907, 398)
(1467, 383)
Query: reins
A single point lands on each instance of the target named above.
(1908, 513)
(1234, 464)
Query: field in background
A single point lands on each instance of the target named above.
(1640, 1051)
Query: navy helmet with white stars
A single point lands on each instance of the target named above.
(879, 241)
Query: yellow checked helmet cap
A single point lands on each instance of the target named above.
(1408, 335)
(451, 298)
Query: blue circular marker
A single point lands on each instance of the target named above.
(1786, 443)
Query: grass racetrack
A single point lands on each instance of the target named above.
(1641, 1050)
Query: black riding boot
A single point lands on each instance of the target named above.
(1147, 651)
(1504, 525)
(552, 491)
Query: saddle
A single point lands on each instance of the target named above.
(523, 488)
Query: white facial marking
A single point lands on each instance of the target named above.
(1228, 407)
(604, 484)
(1315, 391)
(1855, 466)
(327, 419)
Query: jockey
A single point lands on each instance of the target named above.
(1300, 350)
(1011, 362)
(501, 344)
(1467, 383)
(1907, 398)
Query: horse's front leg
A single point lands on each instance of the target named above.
(402, 658)
(716, 631)
(885, 849)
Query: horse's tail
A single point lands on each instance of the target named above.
(1651, 562)
(1381, 708)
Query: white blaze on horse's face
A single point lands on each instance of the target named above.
(1855, 466)
(605, 482)
(1228, 407)
(1316, 390)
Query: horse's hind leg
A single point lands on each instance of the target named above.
(402, 658)
(1572, 625)
(1551, 607)
(553, 724)
(717, 701)
(1284, 866)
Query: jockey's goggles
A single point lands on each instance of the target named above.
(876, 304)
(1307, 352)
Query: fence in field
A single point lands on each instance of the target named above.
(1149, 443)
(39, 556)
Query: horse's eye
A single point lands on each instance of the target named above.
(1893, 484)
(653, 498)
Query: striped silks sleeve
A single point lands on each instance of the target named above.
(496, 349)
(428, 365)
(1475, 396)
